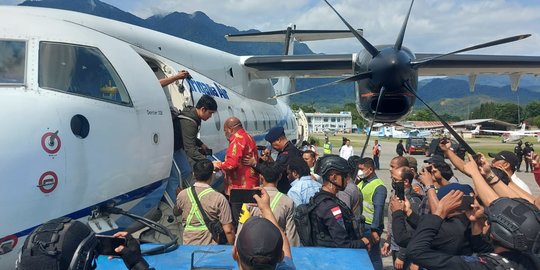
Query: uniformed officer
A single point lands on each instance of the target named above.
(286, 151)
(518, 150)
(335, 224)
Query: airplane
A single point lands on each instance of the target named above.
(401, 134)
(90, 124)
(514, 135)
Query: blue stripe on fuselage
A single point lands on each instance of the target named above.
(118, 200)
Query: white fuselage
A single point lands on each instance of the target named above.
(125, 151)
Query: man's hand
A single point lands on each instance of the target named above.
(182, 74)
(425, 177)
(396, 204)
(445, 145)
(263, 201)
(471, 167)
(449, 203)
(407, 207)
(367, 243)
(385, 249)
(249, 160)
(376, 238)
(535, 161)
(398, 264)
(217, 165)
(131, 252)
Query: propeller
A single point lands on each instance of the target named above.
(370, 48)
(372, 122)
(475, 47)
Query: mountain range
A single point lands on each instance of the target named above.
(448, 94)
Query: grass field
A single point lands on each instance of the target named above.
(482, 144)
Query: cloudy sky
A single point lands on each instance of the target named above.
(434, 26)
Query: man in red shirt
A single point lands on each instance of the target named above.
(241, 144)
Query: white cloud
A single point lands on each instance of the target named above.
(434, 26)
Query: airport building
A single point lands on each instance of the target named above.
(330, 122)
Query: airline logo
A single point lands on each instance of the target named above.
(206, 89)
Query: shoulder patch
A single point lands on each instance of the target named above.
(336, 211)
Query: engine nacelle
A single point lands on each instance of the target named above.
(390, 70)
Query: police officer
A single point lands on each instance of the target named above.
(333, 222)
(527, 153)
(327, 146)
(286, 151)
(513, 226)
(518, 150)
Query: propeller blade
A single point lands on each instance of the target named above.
(306, 90)
(446, 125)
(399, 40)
(356, 77)
(352, 78)
(480, 46)
(381, 95)
(370, 48)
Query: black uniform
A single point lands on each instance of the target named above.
(400, 149)
(527, 150)
(518, 150)
(333, 223)
(283, 157)
(421, 252)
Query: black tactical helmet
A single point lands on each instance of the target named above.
(515, 224)
(59, 244)
(331, 162)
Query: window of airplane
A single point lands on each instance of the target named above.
(80, 70)
(286, 124)
(229, 109)
(255, 120)
(217, 120)
(269, 123)
(264, 122)
(12, 61)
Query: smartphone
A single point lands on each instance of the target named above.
(466, 202)
(243, 195)
(399, 189)
(107, 244)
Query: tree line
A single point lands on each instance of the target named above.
(508, 112)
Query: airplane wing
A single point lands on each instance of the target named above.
(466, 64)
(339, 65)
(316, 66)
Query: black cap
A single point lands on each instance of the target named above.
(507, 156)
(435, 159)
(259, 243)
(274, 134)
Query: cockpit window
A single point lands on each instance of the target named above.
(80, 70)
(12, 61)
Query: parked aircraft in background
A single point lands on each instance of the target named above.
(514, 135)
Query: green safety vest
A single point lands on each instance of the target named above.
(275, 201)
(194, 211)
(327, 148)
(367, 191)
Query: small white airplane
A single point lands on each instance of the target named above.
(514, 135)
(86, 123)
(401, 134)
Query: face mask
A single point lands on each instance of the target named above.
(360, 175)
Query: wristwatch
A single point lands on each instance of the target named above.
(490, 177)
(430, 187)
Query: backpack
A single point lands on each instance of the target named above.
(306, 221)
